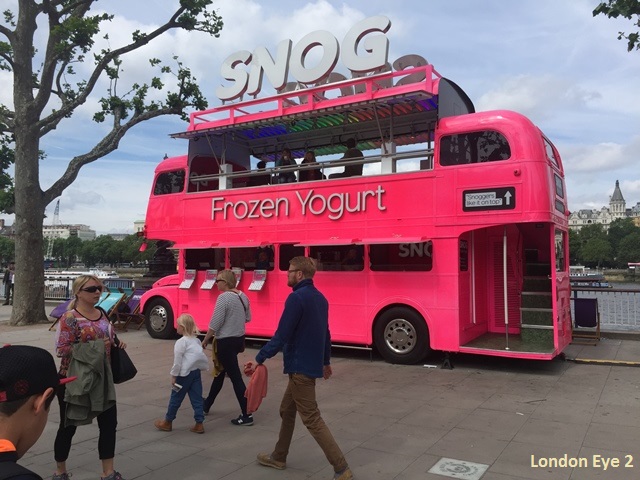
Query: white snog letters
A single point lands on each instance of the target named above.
(365, 50)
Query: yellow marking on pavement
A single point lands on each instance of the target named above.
(597, 361)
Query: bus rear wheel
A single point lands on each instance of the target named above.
(159, 319)
(401, 336)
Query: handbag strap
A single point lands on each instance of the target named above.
(243, 305)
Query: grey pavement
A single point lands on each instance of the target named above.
(493, 418)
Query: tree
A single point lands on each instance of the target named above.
(47, 90)
(629, 9)
(619, 229)
(596, 252)
(630, 248)
(7, 250)
(574, 247)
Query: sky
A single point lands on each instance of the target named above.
(551, 61)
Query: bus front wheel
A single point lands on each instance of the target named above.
(401, 336)
(159, 319)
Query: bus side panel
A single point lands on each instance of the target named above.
(347, 305)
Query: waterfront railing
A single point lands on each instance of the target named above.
(60, 288)
(619, 307)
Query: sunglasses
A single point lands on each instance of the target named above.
(93, 289)
(218, 280)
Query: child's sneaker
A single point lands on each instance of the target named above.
(244, 420)
(62, 476)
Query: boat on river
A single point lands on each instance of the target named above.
(584, 277)
(71, 274)
(589, 280)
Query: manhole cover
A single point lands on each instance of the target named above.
(450, 467)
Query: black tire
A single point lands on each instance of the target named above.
(401, 336)
(159, 319)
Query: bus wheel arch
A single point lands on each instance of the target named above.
(159, 318)
(401, 335)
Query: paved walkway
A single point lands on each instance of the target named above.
(495, 418)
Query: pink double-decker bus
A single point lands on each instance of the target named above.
(453, 237)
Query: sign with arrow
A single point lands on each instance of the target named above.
(489, 199)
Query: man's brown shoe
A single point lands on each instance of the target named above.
(343, 475)
(197, 428)
(266, 460)
(163, 425)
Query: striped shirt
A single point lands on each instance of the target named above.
(229, 315)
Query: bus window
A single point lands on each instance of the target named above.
(550, 153)
(559, 187)
(560, 246)
(204, 258)
(338, 257)
(169, 182)
(474, 147)
(244, 258)
(287, 252)
(402, 257)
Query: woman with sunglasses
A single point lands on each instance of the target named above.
(83, 323)
(230, 314)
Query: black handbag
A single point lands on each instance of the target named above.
(122, 367)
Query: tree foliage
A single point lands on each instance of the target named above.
(629, 9)
(48, 88)
(104, 250)
(592, 246)
(7, 250)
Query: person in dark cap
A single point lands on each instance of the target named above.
(28, 380)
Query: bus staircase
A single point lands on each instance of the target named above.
(536, 310)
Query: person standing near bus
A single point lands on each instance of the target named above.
(230, 314)
(304, 338)
(188, 360)
(84, 324)
(8, 280)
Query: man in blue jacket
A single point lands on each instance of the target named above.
(304, 338)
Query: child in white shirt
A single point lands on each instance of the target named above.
(188, 360)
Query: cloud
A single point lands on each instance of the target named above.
(537, 96)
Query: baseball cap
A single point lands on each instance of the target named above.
(26, 371)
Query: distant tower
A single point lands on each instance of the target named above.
(617, 205)
(56, 221)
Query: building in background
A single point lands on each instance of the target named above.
(138, 226)
(83, 232)
(617, 209)
(118, 237)
(7, 230)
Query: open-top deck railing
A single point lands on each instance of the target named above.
(364, 90)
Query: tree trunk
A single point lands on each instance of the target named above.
(28, 295)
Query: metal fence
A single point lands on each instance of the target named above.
(60, 288)
(619, 308)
